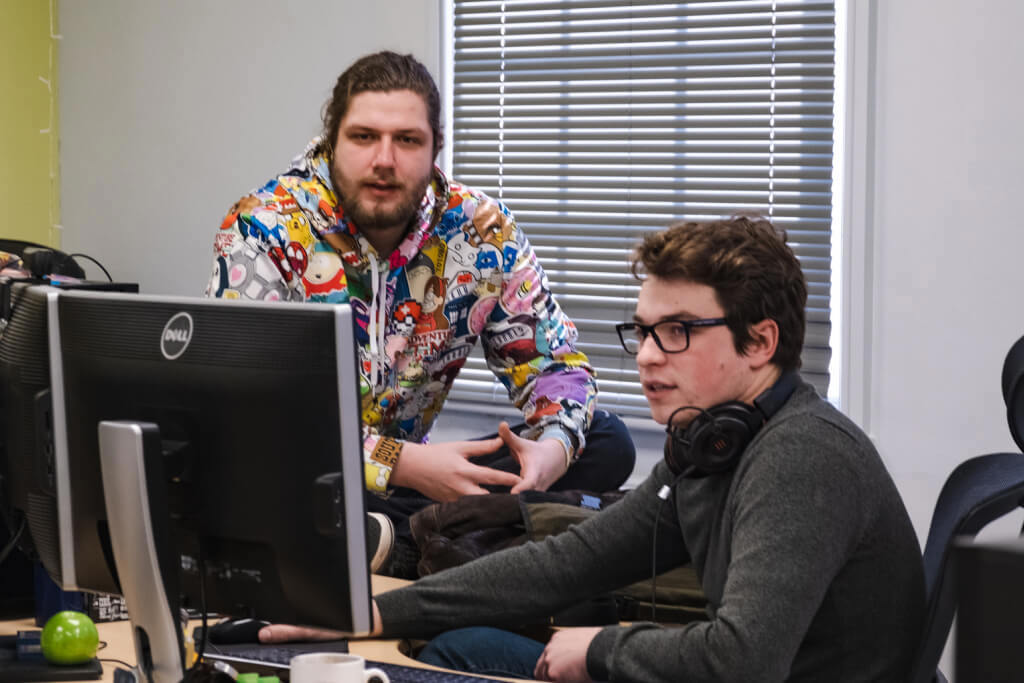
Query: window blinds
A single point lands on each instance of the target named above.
(596, 121)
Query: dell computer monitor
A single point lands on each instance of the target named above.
(28, 492)
(254, 406)
(28, 483)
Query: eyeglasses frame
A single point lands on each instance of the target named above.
(622, 328)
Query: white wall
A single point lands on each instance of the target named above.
(170, 111)
(944, 237)
(948, 239)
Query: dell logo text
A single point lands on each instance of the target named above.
(176, 336)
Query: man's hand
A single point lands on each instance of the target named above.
(284, 633)
(565, 658)
(443, 472)
(541, 463)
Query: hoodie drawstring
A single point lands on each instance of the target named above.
(378, 306)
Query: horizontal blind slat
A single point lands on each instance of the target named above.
(597, 123)
(692, 8)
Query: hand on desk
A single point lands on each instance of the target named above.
(284, 633)
(564, 660)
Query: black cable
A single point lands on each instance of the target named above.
(102, 645)
(118, 661)
(654, 560)
(13, 542)
(663, 494)
(109, 279)
(201, 645)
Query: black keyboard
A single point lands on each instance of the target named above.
(410, 674)
(274, 659)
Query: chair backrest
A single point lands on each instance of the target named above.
(978, 491)
(42, 260)
(12, 246)
(1013, 391)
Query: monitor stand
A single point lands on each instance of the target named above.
(137, 512)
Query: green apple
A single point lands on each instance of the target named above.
(69, 638)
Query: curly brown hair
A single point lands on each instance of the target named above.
(382, 71)
(755, 275)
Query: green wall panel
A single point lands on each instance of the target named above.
(29, 171)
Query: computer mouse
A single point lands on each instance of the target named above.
(231, 631)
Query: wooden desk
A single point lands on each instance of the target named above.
(116, 634)
(118, 637)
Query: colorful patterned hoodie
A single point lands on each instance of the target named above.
(464, 270)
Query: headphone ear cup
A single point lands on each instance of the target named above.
(679, 450)
(716, 444)
(716, 438)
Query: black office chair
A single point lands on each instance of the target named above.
(980, 490)
(1013, 391)
(42, 260)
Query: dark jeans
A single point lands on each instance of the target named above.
(604, 465)
(484, 650)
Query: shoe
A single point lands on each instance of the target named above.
(380, 540)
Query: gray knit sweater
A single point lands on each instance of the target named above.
(805, 552)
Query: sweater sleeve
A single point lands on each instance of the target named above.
(530, 346)
(794, 518)
(529, 583)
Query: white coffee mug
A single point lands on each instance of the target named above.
(332, 667)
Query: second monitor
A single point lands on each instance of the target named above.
(256, 407)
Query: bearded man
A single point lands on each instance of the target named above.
(365, 217)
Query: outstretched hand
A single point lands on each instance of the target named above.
(541, 463)
(443, 472)
(285, 633)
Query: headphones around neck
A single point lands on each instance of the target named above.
(716, 438)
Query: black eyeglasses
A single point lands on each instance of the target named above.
(671, 336)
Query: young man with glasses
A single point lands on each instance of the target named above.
(802, 544)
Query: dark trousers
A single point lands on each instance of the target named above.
(604, 465)
(485, 651)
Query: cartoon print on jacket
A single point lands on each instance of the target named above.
(464, 272)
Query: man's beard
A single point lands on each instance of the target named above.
(376, 217)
